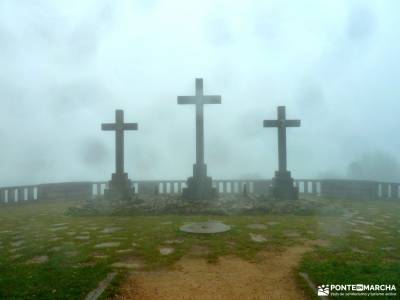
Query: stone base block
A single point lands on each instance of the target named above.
(199, 187)
(119, 188)
(283, 188)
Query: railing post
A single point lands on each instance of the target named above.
(314, 187)
(385, 190)
(11, 195)
(2, 196)
(224, 187)
(393, 191)
(30, 193)
(21, 194)
(306, 187)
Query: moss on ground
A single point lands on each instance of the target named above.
(363, 244)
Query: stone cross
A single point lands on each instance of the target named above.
(281, 124)
(199, 100)
(119, 127)
(199, 186)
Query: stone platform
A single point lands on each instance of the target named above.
(119, 188)
(283, 187)
(225, 204)
(199, 186)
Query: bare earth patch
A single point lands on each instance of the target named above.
(272, 277)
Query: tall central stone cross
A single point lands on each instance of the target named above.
(283, 183)
(199, 186)
(119, 186)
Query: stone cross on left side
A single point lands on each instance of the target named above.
(119, 186)
(283, 183)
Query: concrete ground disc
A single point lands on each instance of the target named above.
(205, 227)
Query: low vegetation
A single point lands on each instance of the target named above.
(46, 253)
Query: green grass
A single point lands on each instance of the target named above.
(72, 270)
(352, 258)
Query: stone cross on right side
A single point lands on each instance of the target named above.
(283, 183)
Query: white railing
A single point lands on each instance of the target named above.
(329, 188)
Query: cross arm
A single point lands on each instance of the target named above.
(285, 123)
(212, 99)
(209, 99)
(186, 100)
(292, 123)
(271, 123)
(130, 126)
(108, 126)
(113, 126)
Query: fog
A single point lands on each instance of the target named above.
(67, 65)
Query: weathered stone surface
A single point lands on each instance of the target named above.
(111, 229)
(359, 231)
(349, 189)
(120, 187)
(107, 245)
(174, 241)
(65, 190)
(128, 265)
(282, 186)
(55, 249)
(96, 293)
(258, 238)
(82, 237)
(124, 251)
(292, 234)
(272, 223)
(58, 228)
(100, 256)
(357, 250)
(38, 260)
(199, 187)
(166, 223)
(205, 227)
(60, 224)
(257, 226)
(225, 204)
(17, 243)
(166, 250)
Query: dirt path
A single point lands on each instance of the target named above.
(232, 278)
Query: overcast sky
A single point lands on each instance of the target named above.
(65, 66)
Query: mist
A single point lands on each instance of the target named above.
(67, 65)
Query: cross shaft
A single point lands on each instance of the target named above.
(119, 127)
(282, 123)
(199, 100)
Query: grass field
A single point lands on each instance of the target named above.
(46, 254)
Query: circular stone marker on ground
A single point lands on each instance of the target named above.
(205, 227)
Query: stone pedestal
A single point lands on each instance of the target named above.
(199, 187)
(283, 188)
(119, 188)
